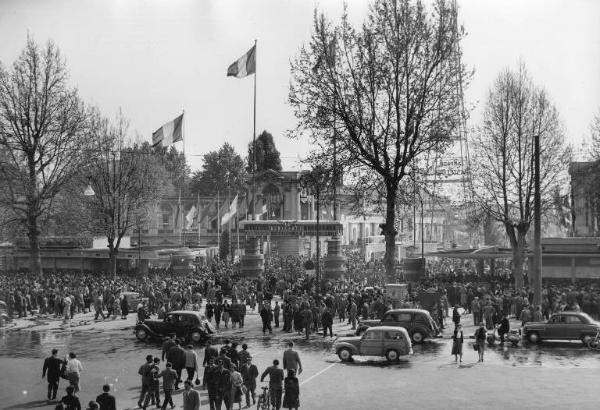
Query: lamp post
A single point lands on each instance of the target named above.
(537, 225)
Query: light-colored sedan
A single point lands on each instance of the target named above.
(389, 341)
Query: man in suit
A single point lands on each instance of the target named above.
(106, 400)
(52, 365)
(191, 398)
(291, 359)
(176, 356)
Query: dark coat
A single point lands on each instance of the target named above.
(106, 402)
(291, 398)
(124, 307)
(176, 356)
(249, 374)
(53, 366)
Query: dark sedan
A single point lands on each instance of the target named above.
(562, 326)
(185, 324)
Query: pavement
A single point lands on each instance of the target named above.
(523, 377)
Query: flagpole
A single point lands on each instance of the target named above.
(198, 213)
(254, 136)
(218, 225)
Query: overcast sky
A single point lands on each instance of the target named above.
(154, 59)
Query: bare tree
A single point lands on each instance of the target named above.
(42, 130)
(126, 181)
(382, 94)
(503, 166)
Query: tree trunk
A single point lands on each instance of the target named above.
(112, 252)
(33, 234)
(517, 244)
(390, 233)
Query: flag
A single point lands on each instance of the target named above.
(245, 66)
(328, 55)
(231, 212)
(190, 217)
(169, 133)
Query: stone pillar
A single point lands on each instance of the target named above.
(252, 263)
(334, 264)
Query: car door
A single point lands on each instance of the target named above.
(394, 339)
(555, 327)
(371, 343)
(573, 327)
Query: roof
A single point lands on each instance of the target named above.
(409, 310)
(187, 312)
(390, 328)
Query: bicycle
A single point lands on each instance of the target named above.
(594, 343)
(264, 399)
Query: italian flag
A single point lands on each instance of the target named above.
(169, 133)
(245, 66)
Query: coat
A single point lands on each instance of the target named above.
(52, 365)
(249, 374)
(291, 398)
(191, 400)
(291, 360)
(106, 402)
(176, 356)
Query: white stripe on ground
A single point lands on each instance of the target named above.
(319, 373)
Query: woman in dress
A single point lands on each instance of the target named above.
(291, 398)
(236, 381)
(457, 343)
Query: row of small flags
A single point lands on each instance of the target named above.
(172, 131)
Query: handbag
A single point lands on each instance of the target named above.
(244, 389)
(475, 347)
(197, 381)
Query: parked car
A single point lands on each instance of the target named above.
(563, 326)
(133, 299)
(4, 312)
(417, 322)
(391, 342)
(185, 324)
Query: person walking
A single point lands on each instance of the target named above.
(52, 366)
(275, 383)
(236, 381)
(210, 382)
(191, 398)
(503, 328)
(153, 396)
(291, 359)
(480, 336)
(124, 308)
(98, 305)
(191, 362)
(457, 343)
(73, 371)
(145, 371)
(249, 373)
(106, 400)
(169, 377)
(352, 314)
(223, 378)
(327, 322)
(307, 319)
(476, 310)
(266, 314)
(244, 354)
(291, 399)
(276, 311)
(177, 358)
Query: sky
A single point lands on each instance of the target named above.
(154, 59)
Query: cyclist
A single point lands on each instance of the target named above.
(275, 383)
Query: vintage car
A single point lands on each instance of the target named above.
(563, 326)
(133, 299)
(4, 318)
(389, 341)
(417, 322)
(185, 324)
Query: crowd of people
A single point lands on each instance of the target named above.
(303, 307)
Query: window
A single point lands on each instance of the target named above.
(402, 317)
(559, 319)
(373, 335)
(390, 335)
(573, 320)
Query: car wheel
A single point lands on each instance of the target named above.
(345, 354)
(534, 337)
(196, 336)
(417, 337)
(141, 334)
(392, 355)
(587, 339)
